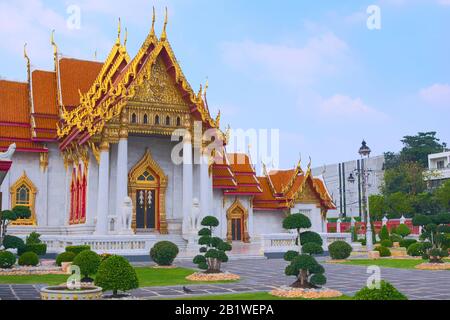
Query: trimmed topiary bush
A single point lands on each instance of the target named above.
(12, 242)
(116, 273)
(29, 259)
(65, 257)
(77, 249)
(395, 237)
(164, 253)
(39, 248)
(385, 292)
(88, 261)
(436, 255)
(7, 259)
(340, 250)
(384, 233)
(309, 273)
(312, 248)
(403, 230)
(386, 243)
(417, 249)
(310, 236)
(384, 252)
(405, 243)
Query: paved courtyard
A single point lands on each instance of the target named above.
(264, 275)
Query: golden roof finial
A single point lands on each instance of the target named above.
(126, 38)
(164, 33)
(52, 40)
(152, 32)
(217, 121)
(310, 163)
(119, 30)
(25, 55)
(200, 92)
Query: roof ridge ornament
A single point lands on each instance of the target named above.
(152, 31)
(119, 30)
(164, 32)
(125, 40)
(27, 58)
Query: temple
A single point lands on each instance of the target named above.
(91, 137)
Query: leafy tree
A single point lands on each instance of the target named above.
(406, 178)
(309, 273)
(442, 195)
(116, 273)
(399, 204)
(8, 216)
(403, 230)
(426, 203)
(214, 249)
(391, 160)
(377, 206)
(435, 230)
(417, 148)
(384, 233)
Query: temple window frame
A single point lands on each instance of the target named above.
(24, 182)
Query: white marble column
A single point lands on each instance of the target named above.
(101, 227)
(187, 181)
(204, 186)
(122, 175)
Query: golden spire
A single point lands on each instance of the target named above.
(310, 163)
(119, 30)
(125, 38)
(217, 121)
(52, 40)
(152, 31)
(206, 87)
(25, 55)
(164, 33)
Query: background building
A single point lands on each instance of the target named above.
(438, 169)
(347, 195)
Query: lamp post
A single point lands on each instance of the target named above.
(364, 152)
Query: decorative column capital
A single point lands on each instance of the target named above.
(104, 146)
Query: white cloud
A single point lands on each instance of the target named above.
(322, 55)
(437, 95)
(345, 107)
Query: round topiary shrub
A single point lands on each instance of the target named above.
(310, 236)
(116, 273)
(7, 259)
(340, 250)
(65, 257)
(12, 242)
(396, 238)
(29, 259)
(386, 291)
(77, 249)
(39, 248)
(386, 243)
(405, 243)
(384, 252)
(88, 261)
(416, 249)
(403, 230)
(164, 253)
(312, 248)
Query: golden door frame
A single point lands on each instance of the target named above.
(24, 180)
(242, 214)
(147, 163)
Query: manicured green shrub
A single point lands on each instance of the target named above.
(436, 255)
(7, 259)
(386, 243)
(88, 261)
(310, 236)
(29, 259)
(384, 233)
(395, 237)
(340, 250)
(363, 242)
(385, 292)
(12, 242)
(214, 249)
(105, 256)
(77, 249)
(39, 248)
(405, 243)
(384, 252)
(308, 271)
(416, 249)
(312, 248)
(164, 253)
(403, 230)
(33, 238)
(116, 273)
(65, 257)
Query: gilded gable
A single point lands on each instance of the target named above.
(308, 195)
(159, 88)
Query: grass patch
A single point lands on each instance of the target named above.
(387, 263)
(254, 296)
(148, 277)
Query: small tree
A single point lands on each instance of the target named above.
(89, 262)
(403, 230)
(116, 273)
(213, 250)
(309, 273)
(384, 233)
(435, 229)
(8, 216)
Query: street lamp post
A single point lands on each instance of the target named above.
(364, 152)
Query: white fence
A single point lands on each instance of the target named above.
(283, 242)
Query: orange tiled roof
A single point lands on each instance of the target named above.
(44, 92)
(14, 102)
(76, 75)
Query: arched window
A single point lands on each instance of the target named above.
(145, 119)
(23, 193)
(178, 122)
(157, 120)
(167, 121)
(133, 118)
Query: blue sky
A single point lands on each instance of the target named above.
(311, 69)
